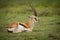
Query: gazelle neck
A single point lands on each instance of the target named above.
(30, 23)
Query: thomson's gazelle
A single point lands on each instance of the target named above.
(16, 27)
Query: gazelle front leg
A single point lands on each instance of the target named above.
(28, 29)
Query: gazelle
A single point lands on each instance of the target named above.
(16, 27)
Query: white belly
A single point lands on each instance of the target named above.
(22, 28)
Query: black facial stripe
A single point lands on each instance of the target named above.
(35, 19)
(23, 25)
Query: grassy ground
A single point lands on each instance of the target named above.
(47, 29)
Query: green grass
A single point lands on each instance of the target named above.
(48, 28)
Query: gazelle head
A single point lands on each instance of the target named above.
(34, 18)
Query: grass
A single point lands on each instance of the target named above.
(48, 28)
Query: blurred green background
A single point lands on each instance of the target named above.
(18, 10)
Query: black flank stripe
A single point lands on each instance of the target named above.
(23, 25)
